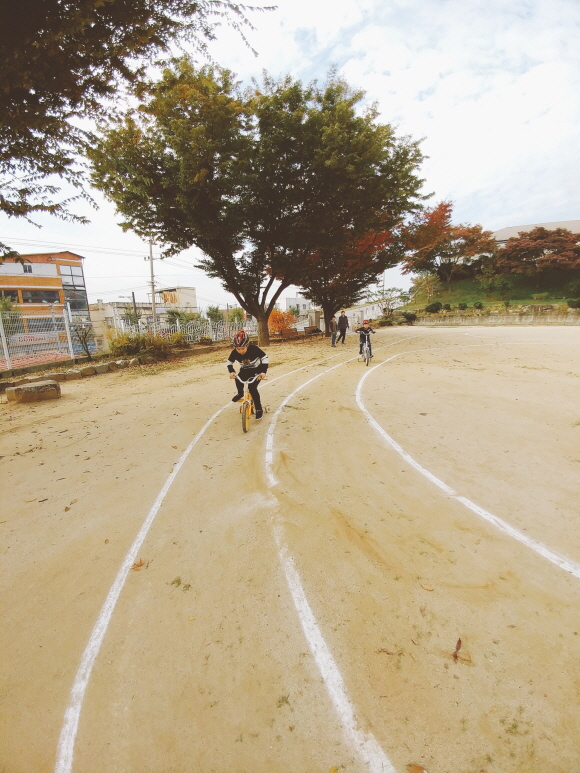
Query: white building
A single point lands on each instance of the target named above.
(178, 298)
(303, 305)
(504, 234)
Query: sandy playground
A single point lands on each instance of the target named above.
(178, 597)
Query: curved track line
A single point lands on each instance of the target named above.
(269, 459)
(365, 744)
(561, 561)
(66, 744)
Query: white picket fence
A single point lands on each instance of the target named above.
(193, 331)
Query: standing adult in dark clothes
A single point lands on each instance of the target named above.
(342, 326)
(333, 327)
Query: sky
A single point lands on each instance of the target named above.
(490, 87)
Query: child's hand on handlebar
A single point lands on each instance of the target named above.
(232, 375)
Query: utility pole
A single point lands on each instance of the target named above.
(135, 309)
(153, 307)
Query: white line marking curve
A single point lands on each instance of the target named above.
(66, 744)
(561, 561)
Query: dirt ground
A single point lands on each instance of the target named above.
(207, 664)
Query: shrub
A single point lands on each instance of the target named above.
(462, 306)
(540, 296)
(409, 316)
(280, 320)
(205, 341)
(178, 340)
(434, 308)
(573, 303)
(478, 305)
(386, 323)
(130, 344)
(574, 287)
(446, 307)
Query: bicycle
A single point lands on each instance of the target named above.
(247, 406)
(366, 351)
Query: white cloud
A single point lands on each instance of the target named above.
(491, 85)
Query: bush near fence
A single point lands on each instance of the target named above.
(191, 333)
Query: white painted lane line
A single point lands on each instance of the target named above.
(269, 459)
(68, 733)
(364, 743)
(561, 561)
(66, 744)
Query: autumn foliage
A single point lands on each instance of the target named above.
(280, 320)
(434, 245)
(538, 251)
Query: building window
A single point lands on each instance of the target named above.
(27, 268)
(40, 296)
(10, 294)
(77, 299)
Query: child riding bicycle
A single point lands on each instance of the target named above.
(365, 335)
(253, 362)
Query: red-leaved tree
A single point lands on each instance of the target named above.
(538, 251)
(433, 245)
(336, 279)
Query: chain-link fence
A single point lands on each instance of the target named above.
(39, 339)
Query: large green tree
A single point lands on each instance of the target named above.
(260, 180)
(59, 62)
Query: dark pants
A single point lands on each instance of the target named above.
(253, 387)
(341, 334)
(362, 340)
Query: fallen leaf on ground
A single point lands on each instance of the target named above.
(388, 652)
(74, 500)
(106, 541)
(426, 587)
(511, 626)
(456, 650)
(334, 769)
(66, 509)
(191, 618)
(173, 446)
(412, 768)
(30, 500)
(138, 566)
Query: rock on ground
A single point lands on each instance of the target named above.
(33, 393)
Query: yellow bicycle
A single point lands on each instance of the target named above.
(247, 406)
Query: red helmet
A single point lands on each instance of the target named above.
(365, 322)
(241, 339)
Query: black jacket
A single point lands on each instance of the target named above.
(343, 322)
(252, 362)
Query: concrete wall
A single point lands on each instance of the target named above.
(500, 319)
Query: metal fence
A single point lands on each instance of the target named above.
(192, 331)
(36, 340)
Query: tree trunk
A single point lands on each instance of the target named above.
(263, 332)
(327, 314)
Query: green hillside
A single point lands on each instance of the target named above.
(518, 290)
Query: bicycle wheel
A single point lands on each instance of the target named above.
(245, 416)
(366, 355)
